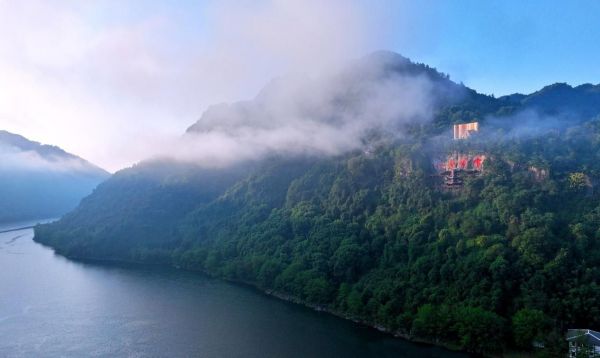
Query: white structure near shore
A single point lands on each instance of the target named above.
(583, 343)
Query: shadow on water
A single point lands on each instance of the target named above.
(376, 343)
(54, 306)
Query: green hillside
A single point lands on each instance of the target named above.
(510, 258)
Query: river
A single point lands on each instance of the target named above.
(54, 307)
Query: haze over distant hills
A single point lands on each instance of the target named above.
(41, 181)
(327, 195)
(582, 101)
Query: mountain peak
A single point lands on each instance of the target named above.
(19, 142)
(20, 149)
(41, 181)
(387, 57)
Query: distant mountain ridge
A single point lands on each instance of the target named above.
(24, 144)
(345, 92)
(41, 181)
(581, 101)
(50, 153)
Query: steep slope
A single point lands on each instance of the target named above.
(368, 232)
(121, 216)
(41, 181)
(371, 236)
(383, 94)
(135, 212)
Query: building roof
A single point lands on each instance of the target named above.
(586, 335)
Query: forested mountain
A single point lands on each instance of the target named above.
(579, 102)
(371, 233)
(41, 181)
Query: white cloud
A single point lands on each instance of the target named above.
(109, 80)
(12, 158)
(328, 115)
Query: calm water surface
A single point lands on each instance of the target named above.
(54, 307)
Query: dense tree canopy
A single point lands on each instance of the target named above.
(510, 259)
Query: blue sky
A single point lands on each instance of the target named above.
(138, 72)
(508, 46)
(496, 47)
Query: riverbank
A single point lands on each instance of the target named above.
(17, 229)
(61, 307)
(269, 292)
(22, 225)
(396, 334)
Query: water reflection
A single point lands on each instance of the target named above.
(52, 306)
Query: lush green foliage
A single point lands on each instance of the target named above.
(134, 214)
(528, 326)
(376, 238)
(510, 259)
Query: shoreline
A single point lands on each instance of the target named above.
(16, 229)
(267, 292)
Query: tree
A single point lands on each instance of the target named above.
(478, 330)
(528, 326)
